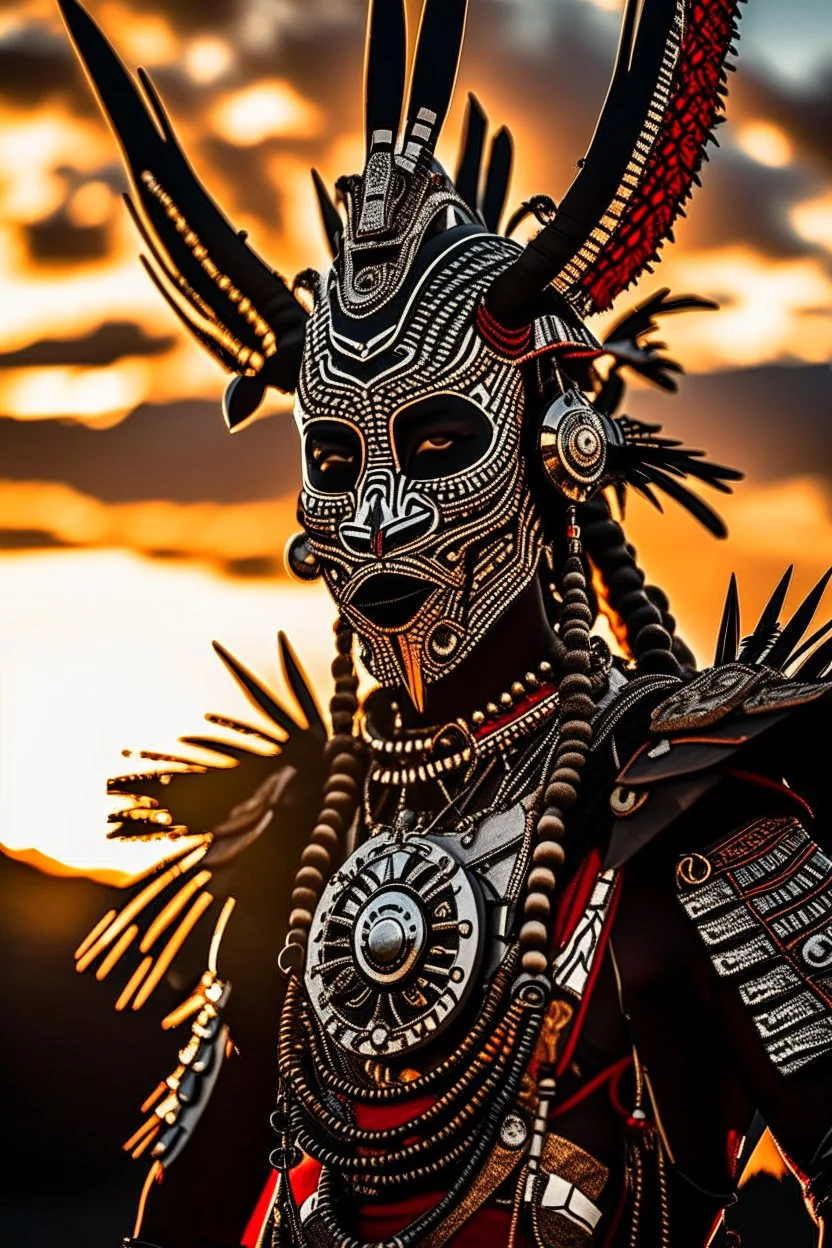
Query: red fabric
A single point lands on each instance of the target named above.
(380, 1117)
(257, 1219)
(575, 898)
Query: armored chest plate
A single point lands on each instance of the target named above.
(395, 945)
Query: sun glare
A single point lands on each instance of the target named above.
(265, 110)
(766, 143)
(813, 220)
(101, 650)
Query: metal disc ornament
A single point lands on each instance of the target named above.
(573, 446)
(395, 945)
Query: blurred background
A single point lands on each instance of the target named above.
(133, 529)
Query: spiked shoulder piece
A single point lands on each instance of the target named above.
(708, 728)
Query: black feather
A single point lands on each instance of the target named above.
(208, 260)
(498, 180)
(469, 170)
(641, 319)
(691, 502)
(729, 629)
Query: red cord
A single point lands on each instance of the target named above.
(751, 777)
(611, 1073)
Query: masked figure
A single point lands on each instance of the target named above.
(555, 923)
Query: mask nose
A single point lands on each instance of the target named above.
(388, 517)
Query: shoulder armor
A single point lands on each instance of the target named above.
(693, 734)
(761, 902)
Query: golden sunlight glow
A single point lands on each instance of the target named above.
(770, 309)
(813, 220)
(100, 650)
(143, 38)
(33, 146)
(91, 205)
(95, 395)
(768, 524)
(208, 59)
(265, 110)
(766, 143)
(210, 531)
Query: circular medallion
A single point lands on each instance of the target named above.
(395, 945)
(513, 1131)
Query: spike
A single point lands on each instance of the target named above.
(413, 671)
(255, 692)
(438, 50)
(174, 907)
(93, 935)
(470, 160)
(810, 642)
(246, 730)
(729, 629)
(816, 667)
(778, 655)
(329, 213)
(132, 984)
(299, 683)
(753, 646)
(384, 69)
(138, 903)
(499, 177)
(119, 948)
(171, 949)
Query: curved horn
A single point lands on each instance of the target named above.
(664, 100)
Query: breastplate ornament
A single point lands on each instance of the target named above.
(395, 945)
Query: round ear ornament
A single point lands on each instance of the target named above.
(574, 443)
(301, 562)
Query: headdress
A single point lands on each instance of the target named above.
(430, 320)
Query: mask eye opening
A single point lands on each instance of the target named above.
(333, 455)
(439, 436)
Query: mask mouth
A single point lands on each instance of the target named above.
(390, 600)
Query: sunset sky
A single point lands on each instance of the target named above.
(133, 529)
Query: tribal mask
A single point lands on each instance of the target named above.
(414, 496)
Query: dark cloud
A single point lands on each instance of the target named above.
(247, 186)
(771, 422)
(109, 342)
(747, 203)
(37, 63)
(181, 451)
(57, 240)
(803, 110)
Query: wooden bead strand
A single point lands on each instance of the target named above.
(341, 796)
(575, 714)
